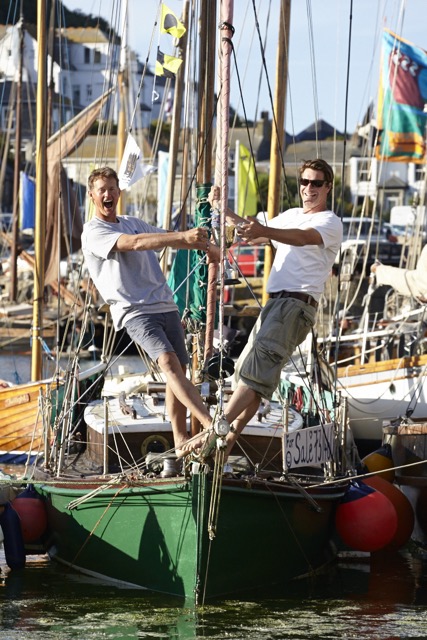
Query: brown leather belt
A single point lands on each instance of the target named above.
(305, 297)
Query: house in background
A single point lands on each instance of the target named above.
(82, 67)
(387, 183)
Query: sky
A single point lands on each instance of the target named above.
(334, 51)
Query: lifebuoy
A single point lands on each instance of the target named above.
(155, 444)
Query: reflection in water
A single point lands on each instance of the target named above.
(384, 598)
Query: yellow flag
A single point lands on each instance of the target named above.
(166, 65)
(246, 187)
(170, 24)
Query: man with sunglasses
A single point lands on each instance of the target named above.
(307, 240)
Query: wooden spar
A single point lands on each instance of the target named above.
(17, 166)
(175, 131)
(205, 114)
(51, 87)
(221, 168)
(206, 173)
(206, 90)
(41, 179)
(123, 93)
(277, 134)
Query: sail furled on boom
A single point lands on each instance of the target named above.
(190, 268)
(402, 99)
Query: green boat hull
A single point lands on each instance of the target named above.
(158, 536)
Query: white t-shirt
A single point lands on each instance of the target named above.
(305, 269)
(131, 282)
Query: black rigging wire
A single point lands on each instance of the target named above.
(343, 171)
(280, 137)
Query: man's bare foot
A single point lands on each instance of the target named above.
(194, 444)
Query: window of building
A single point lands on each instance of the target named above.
(89, 91)
(392, 199)
(87, 55)
(76, 94)
(420, 172)
(97, 56)
(364, 170)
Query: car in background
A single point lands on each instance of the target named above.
(248, 258)
(379, 240)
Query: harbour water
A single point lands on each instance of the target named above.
(380, 599)
(365, 598)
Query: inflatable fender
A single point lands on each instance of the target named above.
(14, 549)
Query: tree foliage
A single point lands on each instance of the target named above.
(9, 14)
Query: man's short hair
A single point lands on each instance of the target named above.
(318, 165)
(102, 172)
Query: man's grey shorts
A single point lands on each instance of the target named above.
(281, 326)
(159, 333)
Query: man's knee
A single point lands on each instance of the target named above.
(168, 362)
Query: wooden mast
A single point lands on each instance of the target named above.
(205, 114)
(17, 166)
(223, 135)
(277, 134)
(41, 178)
(204, 175)
(123, 84)
(175, 132)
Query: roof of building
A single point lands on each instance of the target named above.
(393, 182)
(92, 147)
(296, 153)
(320, 130)
(84, 35)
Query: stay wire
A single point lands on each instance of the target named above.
(252, 151)
(313, 71)
(343, 171)
(270, 94)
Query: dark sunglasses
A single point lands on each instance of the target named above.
(316, 183)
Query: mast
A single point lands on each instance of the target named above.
(205, 111)
(277, 134)
(51, 52)
(123, 82)
(17, 165)
(223, 134)
(204, 174)
(41, 178)
(175, 131)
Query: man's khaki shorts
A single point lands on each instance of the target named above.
(282, 325)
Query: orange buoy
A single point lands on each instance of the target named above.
(404, 511)
(380, 460)
(32, 512)
(365, 520)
